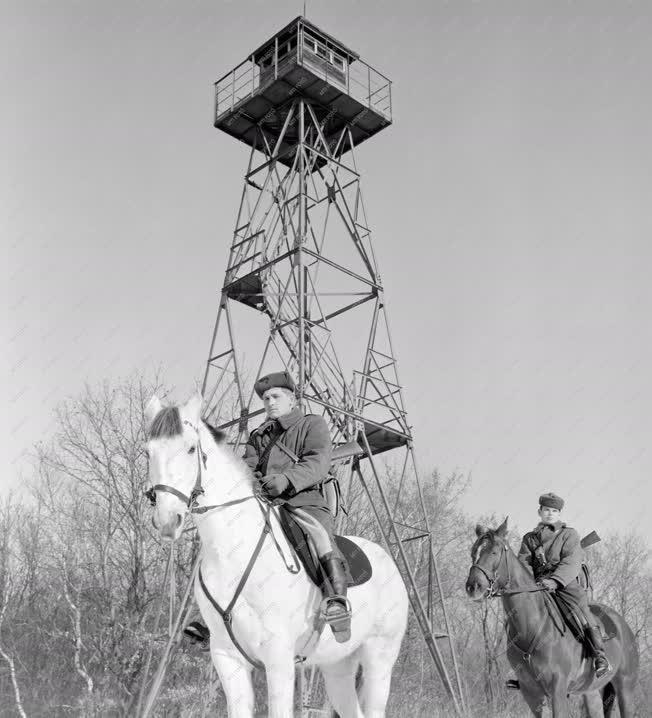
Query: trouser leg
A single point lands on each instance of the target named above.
(317, 523)
(593, 637)
(592, 632)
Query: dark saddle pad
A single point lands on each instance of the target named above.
(358, 565)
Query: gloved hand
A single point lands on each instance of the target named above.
(549, 583)
(274, 484)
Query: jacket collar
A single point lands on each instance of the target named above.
(555, 527)
(290, 419)
(285, 421)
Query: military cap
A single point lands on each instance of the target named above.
(552, 501)
(276, 379)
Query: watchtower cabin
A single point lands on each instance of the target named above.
(302, 61)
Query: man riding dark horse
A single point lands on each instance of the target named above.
(553, 552)
(290, 455)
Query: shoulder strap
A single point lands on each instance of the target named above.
(264, 457)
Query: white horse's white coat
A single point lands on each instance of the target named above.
(273, 618)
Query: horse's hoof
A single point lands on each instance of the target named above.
(197, 632)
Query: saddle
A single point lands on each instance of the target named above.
(564, 615)
(358, 566)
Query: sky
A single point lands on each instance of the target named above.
(510, 202)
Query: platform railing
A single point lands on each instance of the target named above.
(354, 76)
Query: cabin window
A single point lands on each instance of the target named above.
(325, 53)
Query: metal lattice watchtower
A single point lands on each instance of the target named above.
(302, 258)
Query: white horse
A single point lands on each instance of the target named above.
(274, 615)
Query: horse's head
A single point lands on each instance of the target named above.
(176, 461)
(488, 556)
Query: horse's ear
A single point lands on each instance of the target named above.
(192, 409)
(480, 530)
(502, 529)
(151, 410)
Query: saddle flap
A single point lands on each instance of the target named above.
(604, 620)
(359, 566)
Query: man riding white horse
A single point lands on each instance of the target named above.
(290, 454)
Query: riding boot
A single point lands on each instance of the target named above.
(593, 637)
(336, 609)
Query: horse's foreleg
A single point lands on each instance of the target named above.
(339, 679)
(235, 676)
(534, 698)
(280, 685)
(559, 699)
(593, 704)
(625, 695)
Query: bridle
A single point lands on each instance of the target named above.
(492, 591)
(503, 588)
(197, 490)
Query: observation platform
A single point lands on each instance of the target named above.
(302, 61)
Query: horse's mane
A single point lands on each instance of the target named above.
(218, 435)
(167, 423)
(488, 536)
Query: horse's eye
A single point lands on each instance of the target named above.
(191, 450)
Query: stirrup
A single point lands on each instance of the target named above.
(599, 672)
(340, 622)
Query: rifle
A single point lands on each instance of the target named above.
(590, 540)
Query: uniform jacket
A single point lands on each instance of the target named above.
(306, 437)
(563, 552)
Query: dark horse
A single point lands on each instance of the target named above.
(550, 662)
